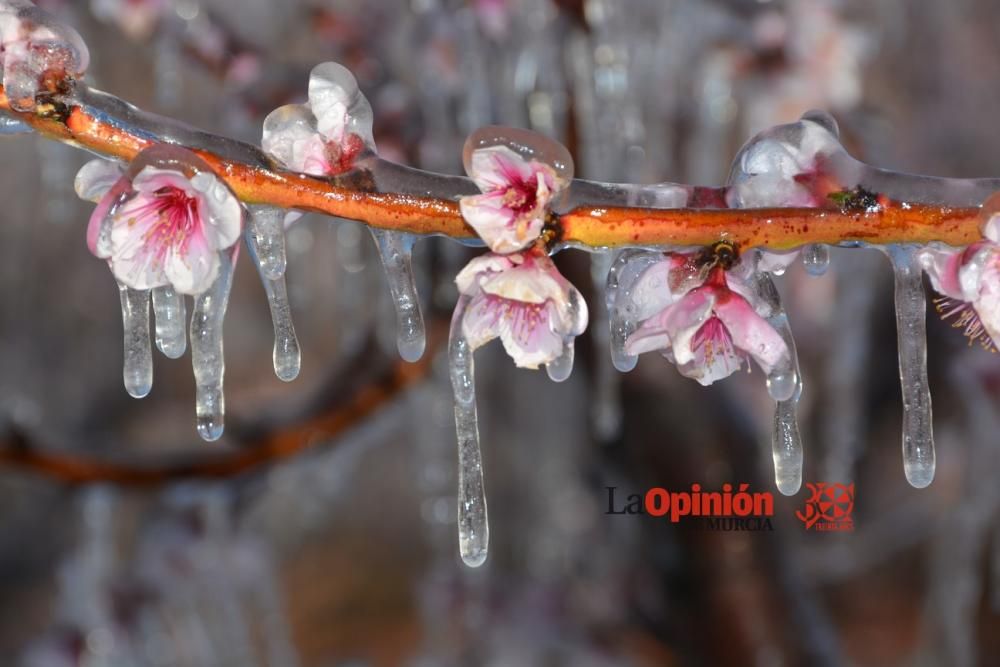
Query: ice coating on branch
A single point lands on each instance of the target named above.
(163, 222)
(327, 135)
(207, 350)
(783, 166)
(396, 250)
(519, 173)
(138, 365)
(702, 317)
(169, 313)
(37, 53)
(473, 523)
(911, 313)
(523, 300)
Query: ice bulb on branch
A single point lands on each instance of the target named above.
(37, 53)
(328, 134)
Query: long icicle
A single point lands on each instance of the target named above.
(396, 252)
(169, 312)
(473, 523)
(138, 364)
(268, 222)
(606, 415)
(911, 332)
(207, 351)
(786, 440)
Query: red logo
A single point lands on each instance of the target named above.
(829, 507)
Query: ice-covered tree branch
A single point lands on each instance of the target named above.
(105, 125)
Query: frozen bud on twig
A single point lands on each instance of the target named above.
(519, 173)
(524, 300)
(786, 165)
(703, 318)
(37, 53)
(163, 222)
(325, 136)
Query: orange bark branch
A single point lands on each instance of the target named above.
(778, 228)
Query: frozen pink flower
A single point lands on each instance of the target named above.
(160, 227)
(524, 300)
(969, 280)
(510, 213)
(706, 326)
(326, 135)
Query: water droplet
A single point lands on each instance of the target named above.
(816, 258)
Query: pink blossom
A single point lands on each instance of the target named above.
(524, 300)
(160, 227)
(706, 325)
(969, 280)
(326, 135)
(510, 213)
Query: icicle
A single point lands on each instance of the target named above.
(473, 525)
(786, 445)
(266, 238)
(286, 355)
(395, 250)
(265, 234)
(138, 367)
(169, 311)
(911, 315)
(606, 414)
(206, 351)
(816, 258)
(785, 385)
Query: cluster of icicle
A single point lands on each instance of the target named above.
(332, 134)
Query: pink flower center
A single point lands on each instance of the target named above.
(520, 197)
(964, 317)
(713, 340)
(177, 219)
